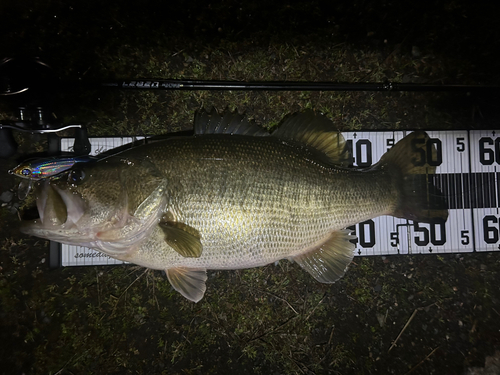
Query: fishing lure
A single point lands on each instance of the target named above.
(47, 167)
(37, 169)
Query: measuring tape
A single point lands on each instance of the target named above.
(467, 172)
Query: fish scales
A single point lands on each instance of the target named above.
(267, 199)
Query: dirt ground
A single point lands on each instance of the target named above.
(419, 314)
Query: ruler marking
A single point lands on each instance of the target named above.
(468, 195)
(497, 188)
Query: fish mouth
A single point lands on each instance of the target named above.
(58, 209)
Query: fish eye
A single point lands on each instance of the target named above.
(76, 176)
(26, 172)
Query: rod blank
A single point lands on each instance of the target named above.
(172, 84)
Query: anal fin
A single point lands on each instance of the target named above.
(188, 282)
(328, 262)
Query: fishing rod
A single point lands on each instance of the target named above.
(25, 76)
(183, 84)
(29, 84)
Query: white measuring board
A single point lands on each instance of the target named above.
(467, 172)
(485, 171)
(83, 256)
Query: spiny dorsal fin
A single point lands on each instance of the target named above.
(317, 132)
(227, 123)
(188, 282)
(328, 262)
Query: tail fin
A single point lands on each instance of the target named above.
(419, 199)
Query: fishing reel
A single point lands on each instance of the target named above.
(28, 87)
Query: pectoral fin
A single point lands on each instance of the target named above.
(188, 282)
(328, 262)
(182, 238)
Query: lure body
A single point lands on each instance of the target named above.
(38, 169)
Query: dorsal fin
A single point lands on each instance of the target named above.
(228, 123)
(317, 132)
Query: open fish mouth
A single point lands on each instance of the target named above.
(58, 209)
(64, 217)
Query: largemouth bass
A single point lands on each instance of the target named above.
(234, 196)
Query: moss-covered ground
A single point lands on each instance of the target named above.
(420, 314)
